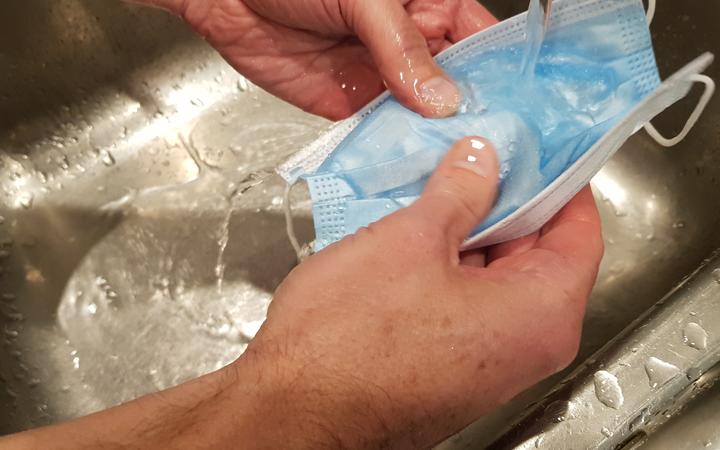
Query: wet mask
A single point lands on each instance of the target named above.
(553, 123)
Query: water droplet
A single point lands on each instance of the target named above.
(76, 362)
(679, 224)
(639, 420)
(539, 441)
(26, 200)
(715, 274)
(695, 336)
(107, 158)
(607, 389)
(560, 411)
(659, 372)
(12, 334)
(606, 432)
(693, 373)
(242, 85)
(64, 163)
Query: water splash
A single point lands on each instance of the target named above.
(223, 241)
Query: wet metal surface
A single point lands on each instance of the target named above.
(142, 237)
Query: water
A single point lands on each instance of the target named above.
(640, 420)
(607, 389)
(659, 372)
(223, 241)
(693, 373)
(716, 275)
(539, 441)
(26, 200)
(695, 336)
(107, 158)
(536, 26)
(560, 411)
(606, 432)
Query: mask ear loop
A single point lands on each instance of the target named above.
(692, 120)
(652, 5)
(301, 251)
(697, 112)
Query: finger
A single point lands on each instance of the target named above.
(569, 249)
(462, 190)
(514, 247)
(471, 17)
(403, 58)
(436, 45)
(474, 258)
(576, 231)
(446, 44)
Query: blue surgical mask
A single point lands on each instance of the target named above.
(594, 85)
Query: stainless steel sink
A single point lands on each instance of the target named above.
(142, 234)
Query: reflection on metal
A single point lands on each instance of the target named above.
(652, 364)
(124, 142)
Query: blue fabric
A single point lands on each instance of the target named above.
(590, 74)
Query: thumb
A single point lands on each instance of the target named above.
(403, 58)
(462, 190)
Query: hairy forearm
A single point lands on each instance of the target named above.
(188, 416)
(246, 405)
(250, 404)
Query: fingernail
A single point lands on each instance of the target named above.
(473, 159)
(441, 95)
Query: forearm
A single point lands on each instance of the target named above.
(183, 417)
(250, 404)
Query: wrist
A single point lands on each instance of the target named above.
(283, 405)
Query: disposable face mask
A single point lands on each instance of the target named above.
(594, 85)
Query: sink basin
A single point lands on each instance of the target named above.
(142, 232)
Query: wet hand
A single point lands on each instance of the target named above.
(393, 337)
(331, 57)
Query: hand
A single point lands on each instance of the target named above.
(392, 338)
(331, 57)
(387, 339)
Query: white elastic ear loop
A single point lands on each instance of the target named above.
(692, 120)
(302, 251)
(289, 226)
(652, 4)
